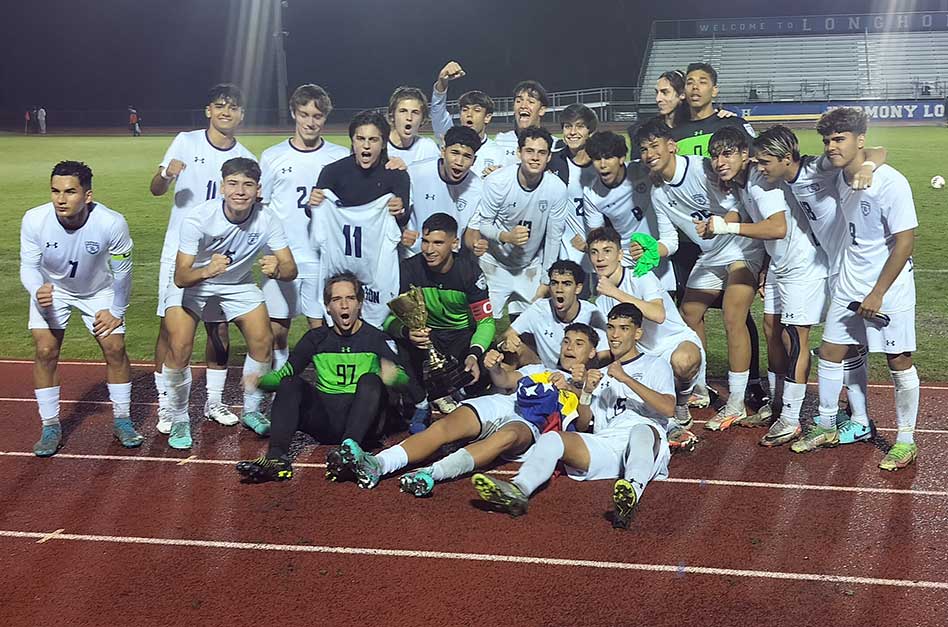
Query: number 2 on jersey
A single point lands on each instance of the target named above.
(353, 237)
(303, 200)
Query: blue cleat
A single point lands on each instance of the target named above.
(851, 431)
(418, 483)
(50, 441)
(123, 429)
(348, 459)
(180, 436)
(419, 420)
(256, 422)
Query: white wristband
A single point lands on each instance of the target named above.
(871, 164)
(585, 398)
(720, 226)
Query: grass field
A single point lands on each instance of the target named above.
(123, 167)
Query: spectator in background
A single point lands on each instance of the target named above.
(134, 122)
(41, 120)
(26, 122)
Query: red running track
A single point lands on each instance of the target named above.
(739, 534)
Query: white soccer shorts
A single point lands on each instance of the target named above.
(57, 315)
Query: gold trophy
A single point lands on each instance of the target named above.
(442, 375)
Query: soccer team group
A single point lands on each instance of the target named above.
(605, 265)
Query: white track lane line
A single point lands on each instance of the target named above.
(700, 482)
(678, 570)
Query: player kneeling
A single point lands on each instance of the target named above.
(495, 425)
(77, 253)
(632, 405)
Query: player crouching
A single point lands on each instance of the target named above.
(495, 425)
(632, 405)
(77, 253)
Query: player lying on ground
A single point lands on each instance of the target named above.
(76, 253)
(630, 406)
(873, 301)
(494, 426)
(354, 365)
(219, 242)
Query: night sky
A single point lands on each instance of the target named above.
(105, 54)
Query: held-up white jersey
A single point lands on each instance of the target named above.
(431, 194)
(795, 257)
(198, 183)
(505, 204)
(288, 176)
(507, 142)
(207, 231)
(362, 239)
(616, 408)
(814, 188)
(75, 262)
(628, 206)
(656, 338)
(694, 194)
(548, 330)
(422, 149)
(874, 216)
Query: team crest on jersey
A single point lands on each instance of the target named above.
(865, 207)
(481, 282)
(93, 248)
(542, 205)
(814, 187)
(461, 203)
(640, 188)
(253, 238)
(701, 199)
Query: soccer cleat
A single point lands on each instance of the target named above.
(702, 397)
(816, 437)
(756, 396)
(725, 418)
(349, 458)
(256, 422)
(50, 440)
(681, 439)
(180, 436)
(899, 456)
(763, 418)
(624, 499)
(220, 413)
(164, 421)
(266, 469)
(419, 420)
(418, 483)
(780, 433)
(503, 494)
(125, 432)
(682, 417)
(851, 431)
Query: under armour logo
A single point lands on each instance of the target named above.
(510, 152)
(429, 196)
(890, 342)
(199, 160)
(52, 244)
(345, 349)
(511, 205)
(672, 203)
(285, 170)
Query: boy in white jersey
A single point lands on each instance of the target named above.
(75, 253)
(529, 107)
(574, 167)
(873, 301)
(630, 405)
(690, 193)
(444, 185)
(289, 172)
(522, 216)
(545, 321)
(621, 193)
(664, 333)
(193, 163)
(504, 424)
(475, 109)
(407, 111)
(812, 182)
(220, 241)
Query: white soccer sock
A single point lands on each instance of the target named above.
(454, 465)
(736, 387)
(216, 380)
(830, 376)
(253, 396)
(162, 394)
(906, 403)
(121, 396)
(280, 357)
(856, 380)
(640, 458)
(178, 387)
(793, 395)
(391, 459)
(541, 463)
(48, 401)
